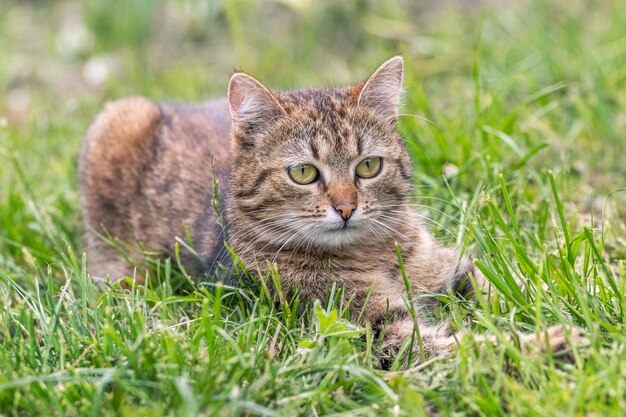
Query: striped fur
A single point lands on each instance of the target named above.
(145, 174)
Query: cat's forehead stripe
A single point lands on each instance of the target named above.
(314, 150)
(319, 97)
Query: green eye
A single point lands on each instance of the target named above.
(369, 167)
(303, 174)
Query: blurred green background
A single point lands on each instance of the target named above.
(498, 95)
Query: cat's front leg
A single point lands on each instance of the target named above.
(445, 271)
(436, 340)
(467, 278)
(429, 340)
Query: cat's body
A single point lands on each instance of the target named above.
(146, 175)
(319, 187)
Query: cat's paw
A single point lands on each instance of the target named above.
(556, 339)
(436, 342)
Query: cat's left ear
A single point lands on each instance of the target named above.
(382, 91)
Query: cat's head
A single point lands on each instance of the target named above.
(318, 168)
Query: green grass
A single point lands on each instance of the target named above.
(522, 105)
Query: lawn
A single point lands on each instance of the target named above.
(514, 113)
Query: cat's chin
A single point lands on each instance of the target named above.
(340, 237)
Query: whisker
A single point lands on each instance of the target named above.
(260, 227)
(421, 118)
(414, 227)
(373, 230)
(381, 208)
(392, 230)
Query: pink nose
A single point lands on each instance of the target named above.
(345, 209)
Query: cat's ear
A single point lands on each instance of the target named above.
(383, 90)
(252, 105)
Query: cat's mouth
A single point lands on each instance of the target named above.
(334, 232)
(337, 234)
(343, 227)
(337, 226)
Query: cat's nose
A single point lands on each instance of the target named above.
(345, 209)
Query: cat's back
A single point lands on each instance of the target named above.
(130, 132)
(146, 175)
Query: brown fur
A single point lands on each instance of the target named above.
(145, 171)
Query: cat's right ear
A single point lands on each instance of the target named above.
(251, 104)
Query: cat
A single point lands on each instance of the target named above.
(317, 183)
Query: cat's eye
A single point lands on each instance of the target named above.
(369, 167)
(303, 174)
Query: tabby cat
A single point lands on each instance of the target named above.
(317, 185)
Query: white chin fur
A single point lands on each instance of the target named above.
(339, 238)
